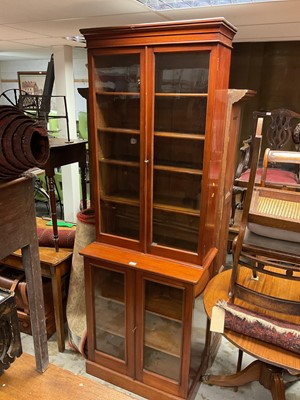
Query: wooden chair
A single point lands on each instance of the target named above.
(260, 296)
(282, 132)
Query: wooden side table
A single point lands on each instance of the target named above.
(18, 231)
(54, 265)
(62, 153)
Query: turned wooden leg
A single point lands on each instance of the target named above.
(249, 374)
(51, 186)
(271, 378)
(267, 375)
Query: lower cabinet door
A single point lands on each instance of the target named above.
(111, 322)
(162, 340)
(142, 325)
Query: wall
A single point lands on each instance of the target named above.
(273, 70)
(9, 75)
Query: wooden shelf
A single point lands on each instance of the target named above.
(179, 169)
(111, 316)
(174, 135)
(169, 308)
(164, 94)
(119, 130)
(110, 344)
(129, 200)
(112, 290)
(163, 334)
(178, 135)
(120, 162)
(167, 168)
(103, 93)
(176, 209)
(162, 363)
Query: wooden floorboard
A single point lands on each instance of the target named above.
(21, 381)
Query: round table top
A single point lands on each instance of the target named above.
(217, 289)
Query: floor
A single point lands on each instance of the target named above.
(225, 362)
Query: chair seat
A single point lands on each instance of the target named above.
(274, 241)
(217, 289)
(274, 175)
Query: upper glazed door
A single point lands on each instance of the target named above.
(119, 142)
(152, 110)
(178, 139)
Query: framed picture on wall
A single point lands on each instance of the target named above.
(32, 82)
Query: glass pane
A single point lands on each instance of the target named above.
(163, 329)
(109, 298)
(180, 114)
(117, 146)
(118, 131)
(117, 73)
(120, 219)
(181, 86)
(177, 190)
(182, 72)
(175, 230)
(184, 153)
(197, 338)
(121, 111)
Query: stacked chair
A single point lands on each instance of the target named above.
(259, 299)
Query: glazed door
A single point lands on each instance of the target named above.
(119, 135)
(179, 133)
(111, 322)
(162, 345)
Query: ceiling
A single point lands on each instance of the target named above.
(30, 28)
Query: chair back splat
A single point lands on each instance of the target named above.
(281, 132)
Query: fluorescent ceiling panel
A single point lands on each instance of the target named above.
(160, 5)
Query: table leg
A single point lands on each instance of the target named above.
(31, 264)
(51, 186)
(82, 166)
(58, 307)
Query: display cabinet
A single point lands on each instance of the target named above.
(157, 116)
(144, 329)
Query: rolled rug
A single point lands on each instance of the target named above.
(76, 312)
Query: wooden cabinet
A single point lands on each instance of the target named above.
(157, 109)
(144, 330)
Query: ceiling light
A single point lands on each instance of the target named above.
(78, 38)
(161, 5)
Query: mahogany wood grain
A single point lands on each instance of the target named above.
(18, 231)
(144, 248)
(236, 99)
(218, 288)
(171, 269)
(53, 265)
